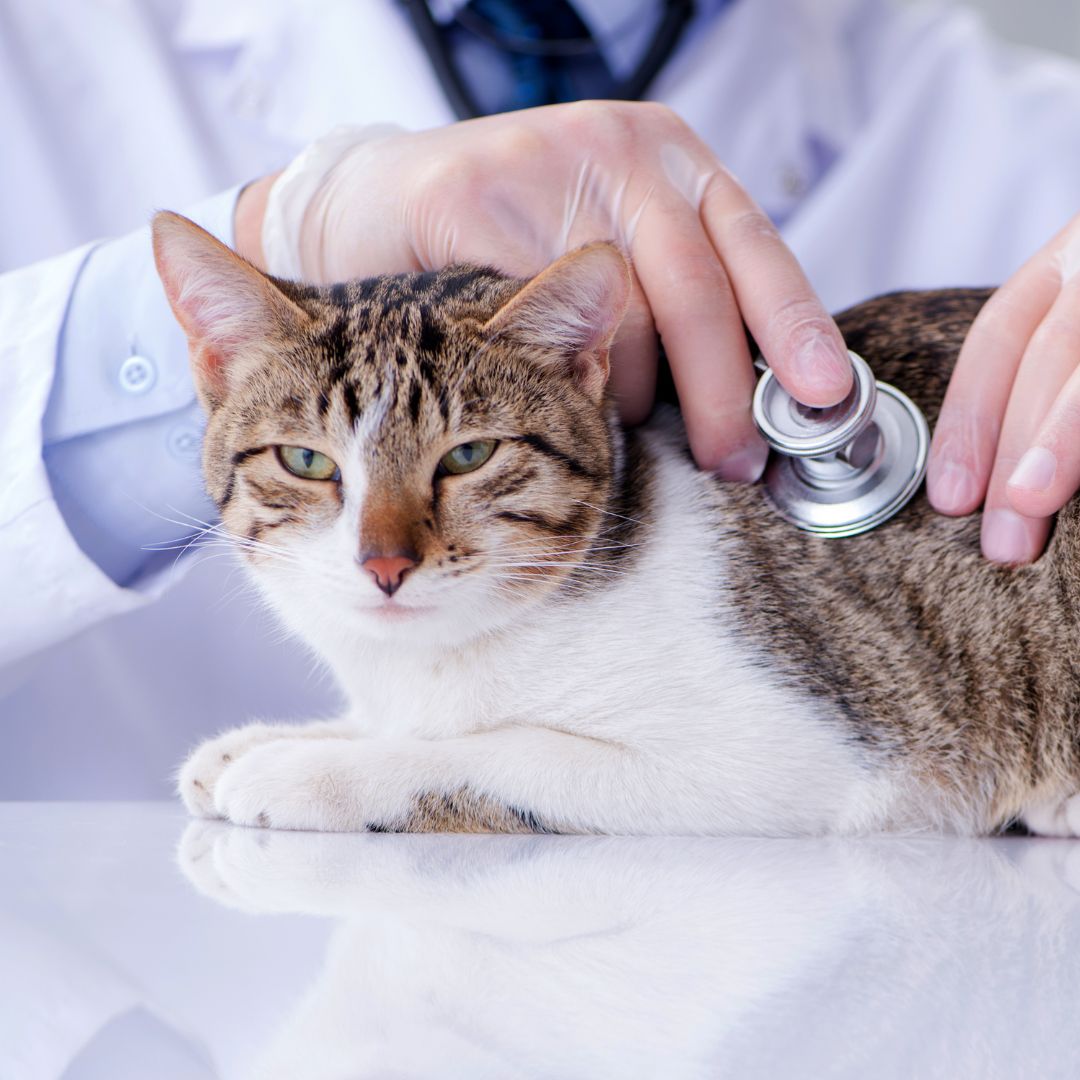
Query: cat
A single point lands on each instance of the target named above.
(546, 623)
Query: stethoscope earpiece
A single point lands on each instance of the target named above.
(845, 469)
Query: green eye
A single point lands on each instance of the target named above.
(309, 464)
(467, 457)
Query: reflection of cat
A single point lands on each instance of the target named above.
(562, 957)
(546, 623)
(528, 957)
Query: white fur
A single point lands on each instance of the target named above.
(633, 709)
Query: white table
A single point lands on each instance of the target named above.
(134, 944)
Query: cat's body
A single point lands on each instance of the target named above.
(601, 637)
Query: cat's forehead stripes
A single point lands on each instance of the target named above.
(397, 345)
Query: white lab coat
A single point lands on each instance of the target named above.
(897, 146)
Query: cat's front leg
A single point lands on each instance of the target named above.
(198, 777)
(514, 779)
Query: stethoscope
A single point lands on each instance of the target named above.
(674, 18)
(842, 470)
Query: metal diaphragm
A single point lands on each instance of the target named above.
(842, 470)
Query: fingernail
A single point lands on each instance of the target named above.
(952, 486)
(1035, 471)
(819, 362)
(1006, 537)
(745, 465)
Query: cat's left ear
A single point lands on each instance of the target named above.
(571, 311)
(234, 315)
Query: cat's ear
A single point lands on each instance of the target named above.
(572, 311)
(232, 314)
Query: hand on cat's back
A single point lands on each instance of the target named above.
(1008, 437)
(516, 191)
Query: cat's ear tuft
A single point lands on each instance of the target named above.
(231, 312)
(571, 311)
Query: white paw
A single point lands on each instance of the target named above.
(199, 775)
(294, 784)
(1061, 818)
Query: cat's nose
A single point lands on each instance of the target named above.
(388, 570)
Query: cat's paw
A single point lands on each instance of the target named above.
(199, 776)
(1057, 818)
(294, 784)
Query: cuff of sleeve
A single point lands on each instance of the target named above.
(122, 431)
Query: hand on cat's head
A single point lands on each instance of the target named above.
(450, 431)
(518, 190)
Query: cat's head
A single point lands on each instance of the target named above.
(419, 456)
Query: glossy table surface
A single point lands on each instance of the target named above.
(134, 943)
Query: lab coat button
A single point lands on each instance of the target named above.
(137, 375)
(184, 442)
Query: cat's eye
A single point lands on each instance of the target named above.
(309, 464)
(467, 457)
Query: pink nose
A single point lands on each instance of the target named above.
(388, 570)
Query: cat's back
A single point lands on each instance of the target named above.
(907, 635)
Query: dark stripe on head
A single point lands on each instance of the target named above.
(540, 444)
(339, 295)
(414, 401)
(538, 520)
(242, 455)
(366, 289)
(456, 284)
(352, 406)
(432, 335)
(335, 342)
(427, 371)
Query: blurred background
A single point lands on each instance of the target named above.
(1048, 24)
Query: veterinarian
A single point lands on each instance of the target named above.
(892, 146)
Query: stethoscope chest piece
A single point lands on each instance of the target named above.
(843, 470)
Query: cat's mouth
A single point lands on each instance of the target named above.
(393, 611)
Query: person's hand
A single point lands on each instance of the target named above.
(516, 191)
(1009, 429)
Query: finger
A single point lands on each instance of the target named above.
(1048, 472)
(964, 445)
(698, 321)
(633, 359)
(1009, 536)
(795, 333)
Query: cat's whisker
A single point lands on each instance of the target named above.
(611, 513)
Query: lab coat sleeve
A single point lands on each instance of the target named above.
(72, 406)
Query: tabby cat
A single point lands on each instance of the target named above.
(546, 623)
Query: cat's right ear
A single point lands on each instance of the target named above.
(232, 314)
(571, 311)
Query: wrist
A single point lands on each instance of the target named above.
(248, 219)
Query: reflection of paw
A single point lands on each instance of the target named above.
(1049, 864)
(209, 855)
(1061, 818)
(201, 772)
(293, 784)
(256, 870)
